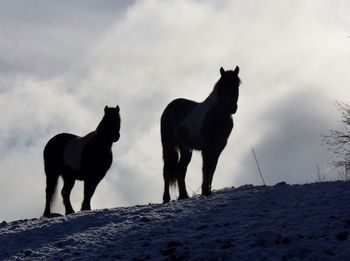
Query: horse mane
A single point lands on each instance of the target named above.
(102, 123)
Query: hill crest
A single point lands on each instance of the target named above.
(282, 222)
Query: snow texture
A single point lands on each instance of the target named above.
(282, 222)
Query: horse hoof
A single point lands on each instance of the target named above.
(166, 199)
(52, 215)
(206, 193)
(183, 197)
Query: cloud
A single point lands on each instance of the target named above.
(51, 39)
(289, 149)
(62, 63)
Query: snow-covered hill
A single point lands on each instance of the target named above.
(283, 222)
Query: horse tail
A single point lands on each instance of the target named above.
(170, 158)
(170, 153)
(51, 185)
(53, 163)
(51, 189)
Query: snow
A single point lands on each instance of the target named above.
(281, 222)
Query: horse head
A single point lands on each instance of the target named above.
(110, 124)
(228, 90)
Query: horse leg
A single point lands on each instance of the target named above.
(89, 190)
(51, 183)
(185, 158)
(166, 194)
(210, 157)
(66, 190)
(171, 158)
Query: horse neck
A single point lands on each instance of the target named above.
(219, 105)
(211, 100)
(102, 141)
(212, 103)
(101, 136)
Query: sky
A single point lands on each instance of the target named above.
(61, 62)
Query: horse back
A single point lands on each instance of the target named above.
(178, 109)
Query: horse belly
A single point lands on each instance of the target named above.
(189, 131)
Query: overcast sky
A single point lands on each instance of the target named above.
(61, 62)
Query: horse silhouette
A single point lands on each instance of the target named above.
(85, 158)
(188, 125)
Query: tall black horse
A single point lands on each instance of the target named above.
(85, 158)
(205, 126)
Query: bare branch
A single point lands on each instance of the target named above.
(338, 141)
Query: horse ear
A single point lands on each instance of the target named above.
(236, 70)
(117, 107)
(222, 71)
(106, 108)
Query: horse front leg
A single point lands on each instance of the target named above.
(209, 166)
(215, 140)
(89, 190)
(210, 157)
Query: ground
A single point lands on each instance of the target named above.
(281, 222)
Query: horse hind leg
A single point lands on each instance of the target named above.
(68, 184)
(51, 184)
(171, 159)
(185, 158)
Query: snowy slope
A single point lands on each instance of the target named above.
(283, 222)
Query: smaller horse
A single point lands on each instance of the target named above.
(85, 158)
(205, 126)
